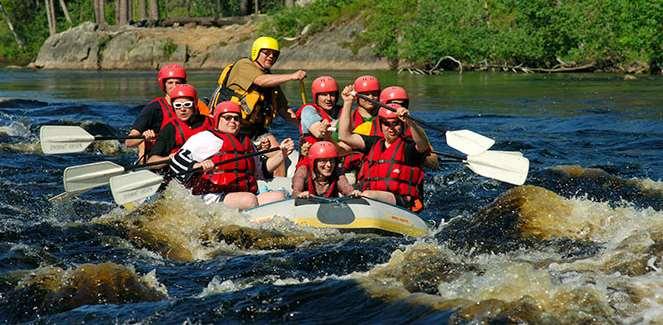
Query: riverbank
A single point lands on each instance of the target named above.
(128, 47)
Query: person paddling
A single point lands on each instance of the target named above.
(392, 170)
(235, 183)
(158, 112)
(321, 175)
(366, 111)
(187, 122)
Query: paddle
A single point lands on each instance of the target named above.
(302, 91)
(56, 139)
(139, 185)
(84, 177)
(465, 141)
(505, 166)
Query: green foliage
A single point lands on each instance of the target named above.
(169, 47)
(289, 22)
(535, 33)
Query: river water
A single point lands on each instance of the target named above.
(582, 242)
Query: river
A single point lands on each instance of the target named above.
(582, 242)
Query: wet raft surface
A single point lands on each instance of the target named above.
(581, 243)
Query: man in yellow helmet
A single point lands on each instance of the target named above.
(250, 83)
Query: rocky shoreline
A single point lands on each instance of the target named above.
(89, 47)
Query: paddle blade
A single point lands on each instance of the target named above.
(505, 167)
(468, 142)
(363, 128)
(84, 177)
(134, 186)
(55, 139)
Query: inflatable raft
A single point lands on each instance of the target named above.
(345, 214)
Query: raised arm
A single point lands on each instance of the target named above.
(273, 80)
(345, 134)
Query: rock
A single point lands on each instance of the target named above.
(76, 48)
(630, 77)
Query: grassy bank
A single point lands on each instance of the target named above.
(608, 35)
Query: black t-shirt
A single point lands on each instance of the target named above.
(412, 156)
(150, 118)
(166, 139)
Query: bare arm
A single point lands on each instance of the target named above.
(299, 181)
(273, 80)
(345, 134)
(287, 146)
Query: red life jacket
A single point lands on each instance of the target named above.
(236, 176)
(167, 115)
(184, 131)
(357, 119)
(385, 170)
(332, 190)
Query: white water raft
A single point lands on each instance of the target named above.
(345, 214)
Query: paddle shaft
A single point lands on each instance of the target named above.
(451, 157)
(102, 138)
(375, 102)
(258, 153)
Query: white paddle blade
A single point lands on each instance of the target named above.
(468, 142)
(134, 186)
(55, 139)
(84, 177)
(505, 167)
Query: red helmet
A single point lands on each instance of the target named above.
(388, 114)
(170, 71)
(366, 84)
(322, 150)
(184, 90)
(324, 84)
(226, 107)
(393, 93)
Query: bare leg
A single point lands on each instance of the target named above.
(280, 170)
(383, 196)
(269, 197)
(240, 200)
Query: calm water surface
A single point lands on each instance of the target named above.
(582, 243)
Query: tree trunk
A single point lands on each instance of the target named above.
(102, 13)
(243, 7)
(154, 10)
(116, 4)
(19, 41)
(142, 13)
(289, 3)
(256, 9)
(121, 12)
(50, 16)
(66, 12)
(219, 12)
(130, 11)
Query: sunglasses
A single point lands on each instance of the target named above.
(180, 105)
(390, 124)
(229, 118)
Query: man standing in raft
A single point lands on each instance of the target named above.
(234, 183)
(250, 83)
(392, 170)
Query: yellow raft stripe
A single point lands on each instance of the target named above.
(367, 223)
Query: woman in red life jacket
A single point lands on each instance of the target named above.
(317, 118)
(321, 176)
(187, 122)
(157, 113)
(392, 169)
(233, 183)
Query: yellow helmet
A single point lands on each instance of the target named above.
(264, 42)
